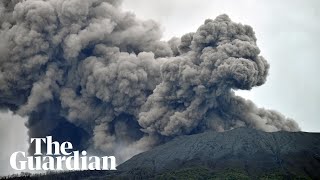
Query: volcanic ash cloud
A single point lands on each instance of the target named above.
(89, 73)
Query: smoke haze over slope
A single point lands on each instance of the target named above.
(87, 72)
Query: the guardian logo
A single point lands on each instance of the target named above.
(59, 157)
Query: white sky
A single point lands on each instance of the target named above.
(288, 36)
(13, 137)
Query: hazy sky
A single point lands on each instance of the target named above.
(287, 33)
(13, 137)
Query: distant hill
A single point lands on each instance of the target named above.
(248, 151)
(241, 153)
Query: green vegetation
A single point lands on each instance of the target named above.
(229, 174)
(203, 173)
(187, 174)
(196, 173)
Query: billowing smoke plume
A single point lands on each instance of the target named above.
(89, 73)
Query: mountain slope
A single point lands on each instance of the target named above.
(241, 153)
(247, 150)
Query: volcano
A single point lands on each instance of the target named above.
(251, 152)
(241, 153)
